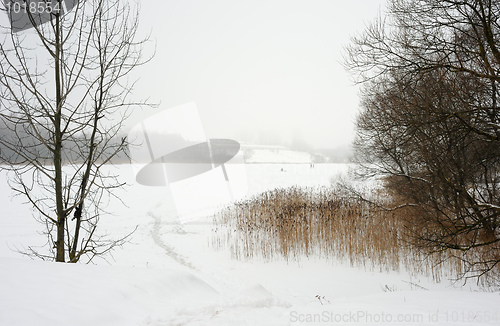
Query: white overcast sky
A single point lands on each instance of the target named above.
(257, 69)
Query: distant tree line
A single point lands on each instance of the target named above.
(39, 152)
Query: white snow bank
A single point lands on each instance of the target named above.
(41, 293)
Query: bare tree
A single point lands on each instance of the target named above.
(430, 121)
(64, 95)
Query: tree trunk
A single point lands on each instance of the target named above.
(61, 213)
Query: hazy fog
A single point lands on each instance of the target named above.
(259, 71)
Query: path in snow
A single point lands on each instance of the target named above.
(169, 250)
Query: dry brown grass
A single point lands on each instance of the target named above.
(328, 223)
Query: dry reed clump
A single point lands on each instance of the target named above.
(326, 222)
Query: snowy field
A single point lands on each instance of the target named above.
(171, 274)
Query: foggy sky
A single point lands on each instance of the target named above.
(266, 71)
(258, 70)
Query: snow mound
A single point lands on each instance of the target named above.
(42, 293)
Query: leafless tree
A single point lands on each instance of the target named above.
(430, 121)
(64, 95)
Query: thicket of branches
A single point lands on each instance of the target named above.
(64, 96)
(430, 121)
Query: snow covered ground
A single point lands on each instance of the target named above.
(170, 273)
(274, 154)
